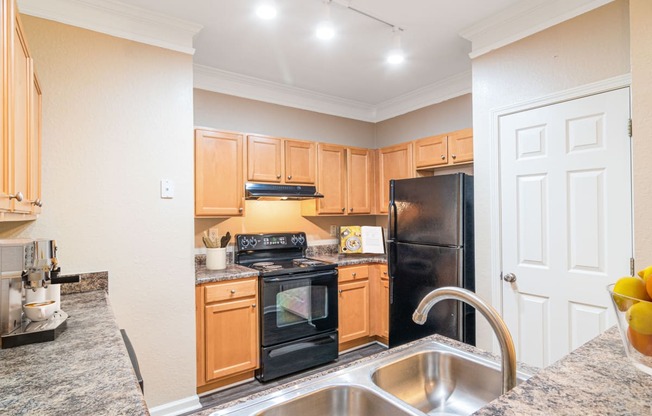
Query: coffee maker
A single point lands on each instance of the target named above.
(29, 279)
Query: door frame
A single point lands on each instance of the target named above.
(609, 84)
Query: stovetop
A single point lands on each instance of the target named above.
(271, 267)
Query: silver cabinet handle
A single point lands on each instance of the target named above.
(350, 209)
(37, 202)
(509, 277)
(240, 209)
(278, 176)
(443, 157)
(343, 209)
(232, 290)
(453, 156)
(18, 196)
(340, 291)
(289, 176)
(253, 306)
(353, 274)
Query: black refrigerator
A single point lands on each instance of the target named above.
(430, 245)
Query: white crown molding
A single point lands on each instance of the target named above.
(217, 80)
(522, 20)
(451, 87)
(225, 82)
(117, 19)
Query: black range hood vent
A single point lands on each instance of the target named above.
(270, 192)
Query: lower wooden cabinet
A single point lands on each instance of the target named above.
(363, 305)
(227, 332)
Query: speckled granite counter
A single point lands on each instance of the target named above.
(232, 271)
(85, 371)
(352, 259)
(595, 379)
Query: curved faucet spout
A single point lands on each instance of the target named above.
(497, 324)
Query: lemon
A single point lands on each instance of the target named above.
(632, 287)
(645, 273)
(639, 317)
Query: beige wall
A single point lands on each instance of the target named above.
(641, 50)
(588, 48)
(117, 118)
(450, 115)
(227, 112)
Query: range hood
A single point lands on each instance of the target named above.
(273, 192)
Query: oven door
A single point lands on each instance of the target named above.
(298, 306)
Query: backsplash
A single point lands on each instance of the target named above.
(88, 282)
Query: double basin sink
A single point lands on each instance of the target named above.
(427, 378)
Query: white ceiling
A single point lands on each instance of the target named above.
(281, 61)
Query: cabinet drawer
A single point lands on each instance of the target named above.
(234, 289)
(353, 273)
(384, 275)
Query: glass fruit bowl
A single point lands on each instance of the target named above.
(634, 323)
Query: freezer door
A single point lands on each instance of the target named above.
(428, 210)
(416, 270)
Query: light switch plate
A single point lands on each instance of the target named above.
(167, 189)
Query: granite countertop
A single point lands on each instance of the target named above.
(85, 371)
(595, 379)
(235, 271)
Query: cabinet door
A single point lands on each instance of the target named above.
(264, 159)
(35, 146)
(359, 180)
(384, 308)
(5, 13)
(218, 173)
(394, 162)
(22, 85)
(431, 151)
(300, 160)
(331, 179)
(353, 310)
(231, 344)
(460, 146)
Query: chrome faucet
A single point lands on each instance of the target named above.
(500, 329)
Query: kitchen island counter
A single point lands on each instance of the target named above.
(595, 379)
(85, 371)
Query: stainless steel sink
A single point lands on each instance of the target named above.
(426, 378)
(438, 382)
(337, 400)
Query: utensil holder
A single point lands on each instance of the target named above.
(216, 258)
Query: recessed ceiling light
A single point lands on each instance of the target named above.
(396, 57)
(266, 11)
(325, 31)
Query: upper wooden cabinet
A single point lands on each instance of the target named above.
(20, 150)
(444, 150)
(275, 160)
(345, 178)
(218, 173)
(394, 162)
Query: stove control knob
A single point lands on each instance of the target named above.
(294, 240)
(253, 242)
(301, 240)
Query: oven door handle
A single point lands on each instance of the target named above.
(301, 276)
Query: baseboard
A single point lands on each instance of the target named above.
(177, 407)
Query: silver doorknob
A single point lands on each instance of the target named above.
(509, 277)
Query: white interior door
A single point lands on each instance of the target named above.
(566, 225)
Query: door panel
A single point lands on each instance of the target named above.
(566, 220)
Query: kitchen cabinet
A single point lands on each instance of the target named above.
(354, 321)
(227, 332)
(345, 178)
(218, 173)
(383, 303)
(20, 160)
(444, 150)
(276, 160)
(394, 162)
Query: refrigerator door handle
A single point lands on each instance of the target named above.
(392, 212)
